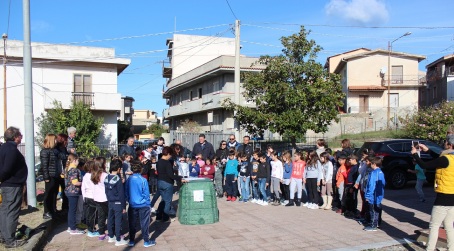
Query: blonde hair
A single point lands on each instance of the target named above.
(50, 141)
(287, 156)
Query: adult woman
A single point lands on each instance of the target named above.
(222, 153)
(49, 165)
(62, 142)
(166, 178)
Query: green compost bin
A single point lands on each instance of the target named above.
(197, 204)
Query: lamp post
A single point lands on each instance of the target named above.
(390, 44)
(4, 36)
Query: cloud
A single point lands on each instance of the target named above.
(358, 11)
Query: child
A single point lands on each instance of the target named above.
(207, 171)
(360, 184)
(73, 191)
(115, 194)
(87, 193)
(254, 167)
(194, 168)
(311, 177)
(296, 180)
(326, 182)
(200, 160)
(230, 177)
(277, 171)
(147, 153)
(244, 177)
(127, 166)
(374, 193)
(152, 178)
(420, 179)
(218, 176)
(263, 177)
(80, 215)
(350, 193)
(99, 195)
(138, 196)
(287, 158)
(341, 176)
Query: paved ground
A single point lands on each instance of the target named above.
(250, 227)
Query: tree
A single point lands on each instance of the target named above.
(430, 123)
(156, 129)
(292, 94)
(190, 126)
(79, 115)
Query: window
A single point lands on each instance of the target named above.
(397, 72)
(397, 147)
(200, 92)
(363, 103)
(83, 89)
(394, 100)
(190, 96)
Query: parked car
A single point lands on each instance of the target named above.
(397, 159)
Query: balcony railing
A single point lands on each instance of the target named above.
(84, 97)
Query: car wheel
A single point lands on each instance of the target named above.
(398, 179)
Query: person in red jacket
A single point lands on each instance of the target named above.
(207, 171)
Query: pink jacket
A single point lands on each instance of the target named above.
(99, 190)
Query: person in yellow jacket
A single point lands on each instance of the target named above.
(443, 209)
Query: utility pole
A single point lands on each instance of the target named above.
(28, 104)
(5, 120)
(237, 74)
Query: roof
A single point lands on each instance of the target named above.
(346, 52)
(366, 88)
(444, 58)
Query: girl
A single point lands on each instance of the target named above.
(276, 177)
(311, 177)
(208, 170)
(99, 195)
(87, 194)
(296, 179)
(327, 178)
(72, 191)
(287, 158)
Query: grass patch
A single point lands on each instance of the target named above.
(357, 140)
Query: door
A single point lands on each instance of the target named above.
(363, 103)
(394, 100)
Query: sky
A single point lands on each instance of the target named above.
(138, 29)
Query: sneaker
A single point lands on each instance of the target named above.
(259, 202)
(149, 243)
(233, 198)
(102, 237)
(77, 231)
(369, 229)
(68, 230)
(81, 226)
(264, 203)
(285, 202)
(93, 234)
(121, 243)
(306, 204)
(253, 201)
(131, 244)
(112, 239)
(229, 198)
(15, 244)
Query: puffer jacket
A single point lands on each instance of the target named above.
(49, 163)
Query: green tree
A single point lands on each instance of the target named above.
(79, 115)
(156, 129)
(429, 123)
(292, 94)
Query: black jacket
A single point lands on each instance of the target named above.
(222, 153)
(207, 150)
(247, 149)
(50, 163)
(13, 169)
(115, 191)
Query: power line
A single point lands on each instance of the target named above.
(9, 16)
(359, 26)
(230, 7)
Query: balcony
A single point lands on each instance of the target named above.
(401, 82)
(207, 102)
(96, 101)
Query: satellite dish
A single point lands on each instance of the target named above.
(383, 70)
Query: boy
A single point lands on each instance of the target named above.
(244, 177)
(230, 177)
(374, 194)
(263, 177)
(127, 166)
(420, 179)
(138, 196)
(350, 192)
(152, 180)
(218, 168)
(194, 168)
(341, 177)
(116, 202)
(254, 167)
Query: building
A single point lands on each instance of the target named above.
(198, 84)
(440, 82)
(142, 119)
(127, 110)
(66, 74)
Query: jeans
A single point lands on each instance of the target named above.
(50, 195)
(72, 201)
(262, 188)
(244, 181)
(418, 187)
(165, 189)
(230, 185)
(114, 218)
(441, 214)
(9, 212)
(375, 214)
(254, 185)
(141, 215)
(102, 209)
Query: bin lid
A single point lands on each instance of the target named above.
(197, 180)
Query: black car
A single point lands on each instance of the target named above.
(397, 159)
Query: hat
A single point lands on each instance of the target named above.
(450, 139)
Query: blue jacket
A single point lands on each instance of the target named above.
(196, 170)
(375, 188)
(137, 191)
(231, 167)
(287, 170)
(115, 191)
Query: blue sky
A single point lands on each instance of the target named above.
(138, 29)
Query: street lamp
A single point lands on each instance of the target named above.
(390, 44)
(4, 36)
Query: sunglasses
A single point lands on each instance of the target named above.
(232, 139)
(224, 144)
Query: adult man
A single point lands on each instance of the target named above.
(245, 147)
(13, 174)
(71, 147)
(232, 142)
(204, 147)
(186, 152)
(128, 148)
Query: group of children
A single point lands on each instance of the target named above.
(96, 198)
